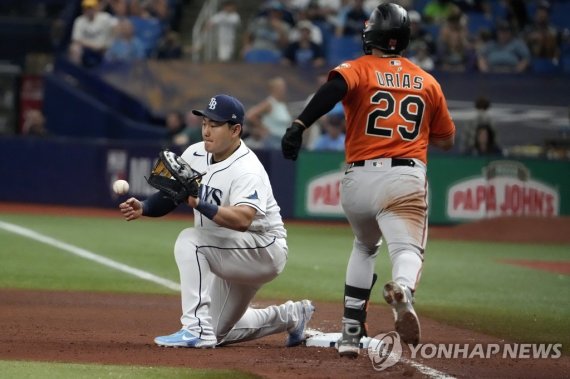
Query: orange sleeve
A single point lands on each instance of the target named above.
(349, 71)
(442, 123)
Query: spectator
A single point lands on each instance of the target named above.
(118, 8)
(318, 10)
(272, 113)
(258, 139)
(333, 137)
(92, 35)
(437, 11)
(226, 23)
(304, 52)
(268, 32)
(485, 143)
(516, 14)
(419, 37)
(353, 21)
(506, 53)
(422, 57)
(192, 131)
(169, 46)
(34, 123)
(482, 117)
(316, 32)
(175, 126)
(193, 127)
(284, 7)
(453, 45)
(126, 47)
(542, 37)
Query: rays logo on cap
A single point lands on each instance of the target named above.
(213, 103)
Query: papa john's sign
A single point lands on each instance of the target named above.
(504, 189)
(323, 195)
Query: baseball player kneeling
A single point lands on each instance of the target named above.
(238, 242)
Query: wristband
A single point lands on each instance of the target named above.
(144, 207)
(207, 209)
(299, 122)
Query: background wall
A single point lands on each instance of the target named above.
(80, 172)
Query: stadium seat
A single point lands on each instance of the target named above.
(433, 30)
(560, 14)
(343, 48)
(544, 66)
(477, 21)
(262, 56)
(149, 31)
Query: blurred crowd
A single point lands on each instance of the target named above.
(511, 36)
(495, 36)
(454, 35)
(500, 36)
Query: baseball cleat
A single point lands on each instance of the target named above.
(183, 338)
(297, 334)
(349, 343)
(407, 322)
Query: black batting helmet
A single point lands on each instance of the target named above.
(387, 29)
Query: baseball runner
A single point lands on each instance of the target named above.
(237, 244)
(393, 110)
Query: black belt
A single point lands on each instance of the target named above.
(395, 162)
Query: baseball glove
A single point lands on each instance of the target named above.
(174, 177)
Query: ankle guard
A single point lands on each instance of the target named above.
(358, 314)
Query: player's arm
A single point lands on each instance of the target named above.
(320, 104)
(156, 205)
(445, 143)
(236, 217)
(324, 100)
(442, 134)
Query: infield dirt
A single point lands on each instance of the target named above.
(108, 328)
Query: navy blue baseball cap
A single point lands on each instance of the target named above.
(223, 108)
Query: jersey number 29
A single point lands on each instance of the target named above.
(407, 111)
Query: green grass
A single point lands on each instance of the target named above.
(462, 283)
(33, 370)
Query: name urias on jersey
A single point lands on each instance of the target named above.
(397, 80)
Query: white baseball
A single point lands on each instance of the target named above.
(121, 187)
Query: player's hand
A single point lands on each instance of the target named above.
(292, 141)
(131, 209)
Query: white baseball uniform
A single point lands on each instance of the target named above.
(222, 269)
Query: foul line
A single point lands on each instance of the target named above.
(426, 370)
(90, 255)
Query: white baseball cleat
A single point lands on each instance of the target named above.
(297, 334)
(407, 322)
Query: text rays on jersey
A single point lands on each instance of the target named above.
(211, 195)
(394, 79)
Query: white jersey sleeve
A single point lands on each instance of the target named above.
(238, 180)
(249, 189)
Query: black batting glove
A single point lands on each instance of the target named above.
(292, 141)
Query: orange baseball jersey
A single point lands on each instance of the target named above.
(392, 109)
